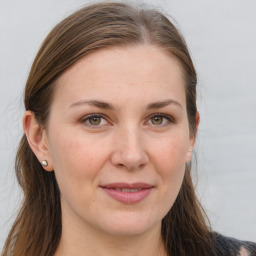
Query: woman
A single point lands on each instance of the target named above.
(110, 125)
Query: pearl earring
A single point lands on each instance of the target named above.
(44, 163)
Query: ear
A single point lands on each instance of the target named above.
(197, 124)
(192, 139)
(37, 139)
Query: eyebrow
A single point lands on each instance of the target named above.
(105, 105)
(95, 103)
(161, 104)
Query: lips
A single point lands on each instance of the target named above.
(128, 193)
(122, 185)
(128, 190)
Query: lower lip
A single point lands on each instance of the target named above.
(128, 197)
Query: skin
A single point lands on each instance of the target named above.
(129, 143)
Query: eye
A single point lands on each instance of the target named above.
(160, 120)
(94, 120)
(157, 120)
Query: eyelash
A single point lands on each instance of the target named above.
(86, 118)
(101, 116)
(170, 120)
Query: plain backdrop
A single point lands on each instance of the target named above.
(221, 36)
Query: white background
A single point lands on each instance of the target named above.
(222, 39)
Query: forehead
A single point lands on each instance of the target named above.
(118, 71)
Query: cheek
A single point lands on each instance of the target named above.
(76, 160)
(74, 152)
(169, 161)
(76, 166)
(171, 152)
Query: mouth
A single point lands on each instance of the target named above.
(128, 193)
(128, 190)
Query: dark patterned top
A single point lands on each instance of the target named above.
(227, 246)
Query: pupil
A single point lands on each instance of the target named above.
(94, 120)
(157, 120)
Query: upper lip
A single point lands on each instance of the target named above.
(122, 185)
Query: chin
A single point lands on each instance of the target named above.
(131, 224)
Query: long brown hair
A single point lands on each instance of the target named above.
(37, 229)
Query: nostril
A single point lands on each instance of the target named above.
(130, 154)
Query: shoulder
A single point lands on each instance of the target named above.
(227, 246)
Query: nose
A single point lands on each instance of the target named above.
(129, 151)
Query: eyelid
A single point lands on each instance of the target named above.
(99, 115)
(169, 118)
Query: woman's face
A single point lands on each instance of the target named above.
(118, 139)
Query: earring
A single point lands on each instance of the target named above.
(44, 163)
